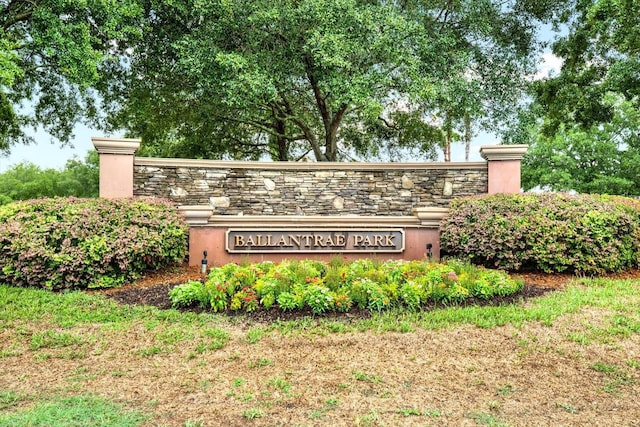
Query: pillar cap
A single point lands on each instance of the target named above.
(430, 216)
(196, 214)
(503, 152)
(115, 145)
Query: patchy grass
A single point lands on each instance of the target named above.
(73, 411)
(567, 358)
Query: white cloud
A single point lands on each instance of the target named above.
(549, 66)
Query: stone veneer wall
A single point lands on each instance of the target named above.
(252, 188)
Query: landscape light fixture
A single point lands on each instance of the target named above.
(203, 266)
(429, 250)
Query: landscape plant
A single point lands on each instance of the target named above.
(549, 232)
(63, 243)
(340, 285)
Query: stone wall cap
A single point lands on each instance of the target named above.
(195, 208)
(326, 221)
(434, 210)
(126, 146)
(308, 166)
(503, 152)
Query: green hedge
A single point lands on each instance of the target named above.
(339, 286)
(65, 243)
(548, 232)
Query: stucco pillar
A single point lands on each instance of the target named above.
(504, 164)
(116, 166)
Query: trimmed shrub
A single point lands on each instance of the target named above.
(65, 243)
(338, 286)
(547, 232)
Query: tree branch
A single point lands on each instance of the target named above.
(387, 123)
(320, 100)
(13, 13)
(311, 137)
(331, 138)
(252, 123)
(308, 133)
(303, 155)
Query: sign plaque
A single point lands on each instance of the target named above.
(296, 240)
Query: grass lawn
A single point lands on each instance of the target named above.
(571, 357)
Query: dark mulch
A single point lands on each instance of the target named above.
(153, 289)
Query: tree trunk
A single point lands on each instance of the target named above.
(331, 134)
(467, 135)
(446, 149)
(282, 144)
(330, 120)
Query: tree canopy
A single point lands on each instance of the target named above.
(586, 136)
(600, 56)
(25, 180)
(52, 53)
(603, 158)
(333, 78)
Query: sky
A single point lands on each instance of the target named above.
(46, 154)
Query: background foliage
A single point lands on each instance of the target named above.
(547, 232)
(53, 53)
(65, 243)
(26, 181)
(583, 124)
(244, 79)
(603, 158)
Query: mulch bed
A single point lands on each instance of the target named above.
(153, 289)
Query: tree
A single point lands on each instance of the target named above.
(604, 158)
(335, 78)
(52, 53)
(28, 181)
(588, 115)
(601, 56)
(80, 177)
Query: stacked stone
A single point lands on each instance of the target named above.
(254, 191)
